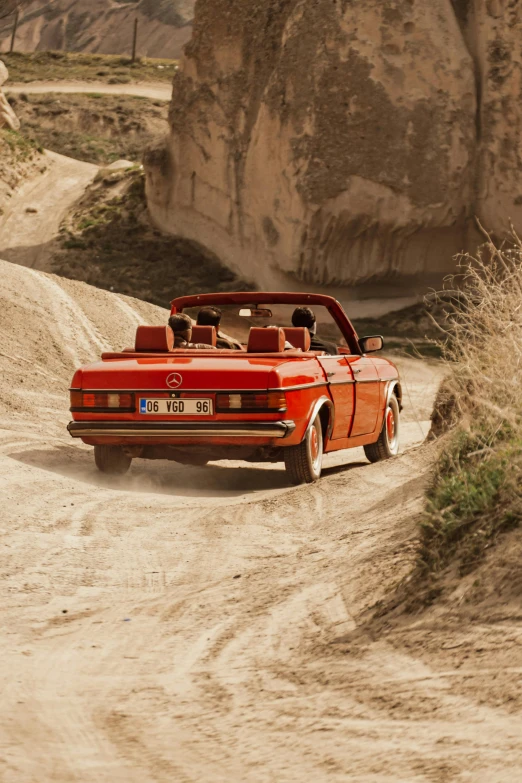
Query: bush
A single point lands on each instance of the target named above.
(477, 488)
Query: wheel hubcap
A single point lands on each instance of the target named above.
(390, 425)
(315, 450)
(314, 444)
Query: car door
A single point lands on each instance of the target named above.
(342, 386)
(367, 395)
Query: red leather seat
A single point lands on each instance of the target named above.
(298, 336)
(266, 340)
(154, 338)
(204, 334)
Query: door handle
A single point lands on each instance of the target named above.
(330, 374)
(355, 372)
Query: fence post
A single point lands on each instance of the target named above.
(135, 40)
(15, 27)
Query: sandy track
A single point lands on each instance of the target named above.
(187, 624)
(157, 91)
(25, 236)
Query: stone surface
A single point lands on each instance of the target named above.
(493, 34)
(8, 118)
(342, 141)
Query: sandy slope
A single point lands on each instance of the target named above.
(186, 624)
(24, 235)
(157, 91)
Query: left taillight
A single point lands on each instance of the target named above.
(102, 402)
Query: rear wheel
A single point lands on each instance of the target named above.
(112, 459)
(304, 462)
(388, 444)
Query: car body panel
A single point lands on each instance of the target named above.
(342, 392)
(367, 394)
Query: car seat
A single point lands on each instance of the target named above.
(262, 340)
(204, 334)
(298, 336)
(154, 339)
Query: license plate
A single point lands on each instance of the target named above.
(185, 407)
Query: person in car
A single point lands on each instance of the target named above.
(211, 316)
(304, 316)
(181, 325)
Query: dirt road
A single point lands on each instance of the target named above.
(193, 624)
(32, 218)
(156, 91)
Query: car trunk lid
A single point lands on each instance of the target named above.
(186, 373)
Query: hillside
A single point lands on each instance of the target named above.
(102, 26)
(344, 142)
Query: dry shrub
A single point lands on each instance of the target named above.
(476, 491)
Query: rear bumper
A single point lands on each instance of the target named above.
(207, 429)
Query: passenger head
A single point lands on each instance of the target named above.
(304, 316)
(209, 316)
(181, 325)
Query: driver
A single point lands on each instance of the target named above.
(304, 316)
(211, 316)
(181, 325)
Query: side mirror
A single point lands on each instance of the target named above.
(371, 344)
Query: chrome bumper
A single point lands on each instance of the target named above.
(207, 429)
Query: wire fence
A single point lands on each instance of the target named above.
(11, 19)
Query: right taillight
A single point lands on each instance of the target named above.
(251, 402)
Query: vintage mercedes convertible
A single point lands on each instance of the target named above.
(273, 400)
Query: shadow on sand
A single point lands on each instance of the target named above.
(225, 479)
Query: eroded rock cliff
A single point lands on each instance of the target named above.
(493, 33)
(8, 118)
(342, 140)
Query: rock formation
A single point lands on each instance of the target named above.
(343, 141)
(8, 118)
(492, 31)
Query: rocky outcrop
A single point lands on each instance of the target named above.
(493, 31)
(8, 118)
(343, 141)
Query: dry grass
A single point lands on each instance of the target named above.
(112, 69)
(92, 127)
(477, 491)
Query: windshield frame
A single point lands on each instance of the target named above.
(253, 298)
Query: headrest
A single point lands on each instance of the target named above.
(154, 338)
(266, 340)
(298, 336)
(204, 334)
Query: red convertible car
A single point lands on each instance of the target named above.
(271, 399)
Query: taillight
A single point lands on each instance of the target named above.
(251, 402)
(102, 401)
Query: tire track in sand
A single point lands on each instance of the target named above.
(25, 236)
(207, 610)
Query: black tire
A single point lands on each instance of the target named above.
(304, 462)
(388, 443)
(112, 459)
